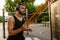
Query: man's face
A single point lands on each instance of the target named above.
(22, 9)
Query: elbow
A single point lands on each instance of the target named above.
(11, 33)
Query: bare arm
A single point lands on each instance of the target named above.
(12, 32)
(11, 26)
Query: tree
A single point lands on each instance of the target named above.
(45, 18)
(40, 15)
(10, 6)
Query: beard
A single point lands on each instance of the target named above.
(21, 13)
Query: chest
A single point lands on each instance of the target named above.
(18, 23)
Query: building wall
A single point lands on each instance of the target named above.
(55, 16)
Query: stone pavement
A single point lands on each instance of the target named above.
(40, 32)
(6, 33)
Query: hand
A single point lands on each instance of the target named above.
(28, 29)
(24, 28)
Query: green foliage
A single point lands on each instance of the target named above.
(0, 19)
(45, 18)
(31, 8)
(29, 1)
(10, 6)
(42, 14)
(55, 0)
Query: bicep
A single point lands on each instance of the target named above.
(10, 25)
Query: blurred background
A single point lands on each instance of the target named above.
(45, 24)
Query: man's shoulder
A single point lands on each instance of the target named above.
(11, 18)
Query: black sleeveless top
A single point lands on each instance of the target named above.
(17, 25)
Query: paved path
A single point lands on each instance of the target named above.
(40, 32)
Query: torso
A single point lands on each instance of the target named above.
(17, 24)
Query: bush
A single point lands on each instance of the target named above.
(0, 19)
(45, 18)
(39, 21)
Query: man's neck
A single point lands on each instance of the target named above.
(18, 14)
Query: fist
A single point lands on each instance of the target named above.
(28, 29)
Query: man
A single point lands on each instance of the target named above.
(16, 24)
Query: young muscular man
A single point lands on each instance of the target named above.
(16, 24)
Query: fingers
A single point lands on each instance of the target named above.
(24, 27)
(30, 30)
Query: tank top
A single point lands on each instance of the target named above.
(17, 25)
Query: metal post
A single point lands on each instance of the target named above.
(3, 24)
(49, 11)
(27, 18)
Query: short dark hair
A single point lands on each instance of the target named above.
(18, 5)
(21, 4)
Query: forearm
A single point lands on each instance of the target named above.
(14, 32)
